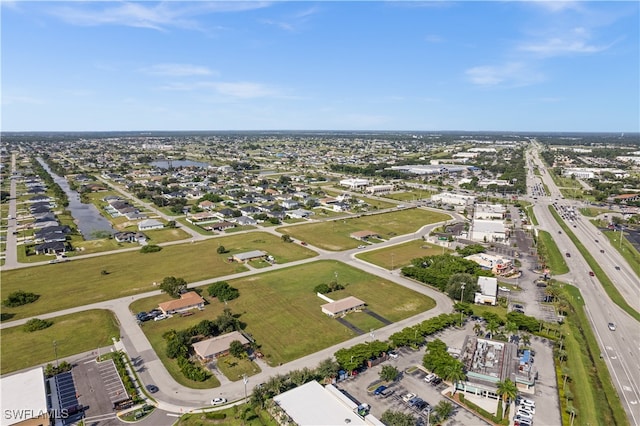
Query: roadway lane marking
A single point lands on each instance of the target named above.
(173, 415)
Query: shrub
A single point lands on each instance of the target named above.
(36, 324)
(223, 291)
(19, 298)
(150, 248)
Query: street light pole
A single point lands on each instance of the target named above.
(55, 351)
(461, 301)
(245, 380)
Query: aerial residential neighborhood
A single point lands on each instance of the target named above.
(222, 278)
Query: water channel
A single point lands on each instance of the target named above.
(86, 216)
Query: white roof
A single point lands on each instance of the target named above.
(488, 286)
(312, 404)
(496, 226)
(250, 255)
(23, 393)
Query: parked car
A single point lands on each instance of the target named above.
(379, 390)
(160, 317)
(436, 381)
(430, 377)
(408, 396)
(393, 355)
(218, 401)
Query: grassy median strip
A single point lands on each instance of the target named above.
(589, 387)
(608, 286)
(625, 248)
(72, 334)
(82, 281)
(335, 234)
(549, 250)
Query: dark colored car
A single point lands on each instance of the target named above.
(379, 390)
(152, 388)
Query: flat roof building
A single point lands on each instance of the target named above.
(24, 399)
(315, 405)
(249, 255)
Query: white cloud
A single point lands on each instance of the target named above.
(158, 16)
(177, 70)
(514, 74)
(12, 100)
(556, 6)
(557, 46)
(294, 21)
(238, 90)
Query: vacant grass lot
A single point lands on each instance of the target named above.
(81, 281)
(334, 235)
(409, 195)
(282, 312)
(400, 255)
(73, 334)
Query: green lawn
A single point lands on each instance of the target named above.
(282, 312)
(408, 195)
(363, 321)
(81, 281)
(401, 255)
(549, 250)
(73, 334)
(229, 417)
(233, 368)
(334, 235)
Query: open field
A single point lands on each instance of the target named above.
(400, 255)
(282, 312)
(334, 235)
(81, 281)
(409, 195)
(73, 334)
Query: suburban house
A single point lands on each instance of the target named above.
(220, 226)
(343, 306)
(53, 247)
(364, 235)
(129, 237)
(300, 213)
(249, 255)
(150, 224)
(245, 221)
(189, 300)
(488, 294)
(218, 346)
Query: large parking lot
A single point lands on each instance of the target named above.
(545, 393)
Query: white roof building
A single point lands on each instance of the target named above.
(24, 397)
(488, 294)
(453, 199)
(315, 405)
(354, 183)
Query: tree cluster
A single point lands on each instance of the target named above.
(328, 288)
(150, 248)
(438, 360)
(19, 298)
(436, 270)
(35, 324)
(414, 336)
(173, 286)
(355, 356)
(223, 291)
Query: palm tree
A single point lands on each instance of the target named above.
(443, 409)
(511, 327)
(476, 328)
(454, 373)
(526, 339)
(507, 390)
(492, 327)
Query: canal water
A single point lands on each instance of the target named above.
(87, 218)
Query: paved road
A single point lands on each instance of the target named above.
(176, 398)
(620, 347)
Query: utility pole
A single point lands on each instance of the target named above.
(55, 351)
(461, 301)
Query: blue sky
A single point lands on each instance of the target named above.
(176, 65)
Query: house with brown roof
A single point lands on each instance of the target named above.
(343, 306)
(218, 346)
(189, 300)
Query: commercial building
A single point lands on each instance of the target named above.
(354, 184)
(488, 294)
(24, 399)
(315, 405)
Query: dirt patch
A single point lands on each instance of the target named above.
(409, 306)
